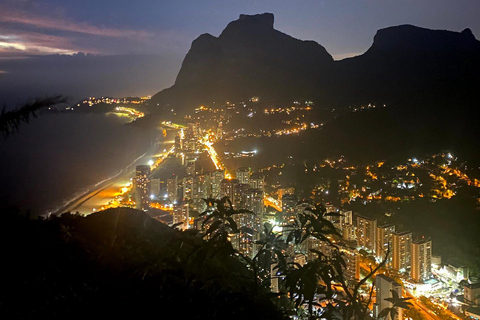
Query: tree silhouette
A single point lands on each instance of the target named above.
(270, 252)
(10, 120)
(397, 302)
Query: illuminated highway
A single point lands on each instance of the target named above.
(214, 156)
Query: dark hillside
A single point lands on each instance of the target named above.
(118, 264)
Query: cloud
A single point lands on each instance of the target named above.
(62, 24)
(24, 43)
(28, 31)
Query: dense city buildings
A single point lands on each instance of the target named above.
(363, 240)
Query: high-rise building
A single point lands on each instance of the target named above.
(350, 255)
(227, 188)
(190, 170)
(178, 143)
(235, 191)
(216, 178)
(383, 290)
(243, 241)
(248, 223)
(181, 215)
(243, 175)
(220, 130)
(289, 203)
(172, 190)
(366, 233)
(401, 248)
(187, 188)
(253, 201)
(421, 262)
(335, 215)
(313, 243)
(200, 191)
(239, 195)
(347, 250)
(348, 232)
(155, 187)
(346, 218)
(275, 278)
(384, 241)
(142, 187)
(257, 181)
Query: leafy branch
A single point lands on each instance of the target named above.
(10, 120)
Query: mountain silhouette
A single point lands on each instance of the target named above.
(251, 58)
(407, 63)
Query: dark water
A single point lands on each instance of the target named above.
(57, 156)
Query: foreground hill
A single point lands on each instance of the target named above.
(118, 264)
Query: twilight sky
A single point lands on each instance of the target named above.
(137, 46)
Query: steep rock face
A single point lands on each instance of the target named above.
(249, 58)
(405, 63)
(409, 39)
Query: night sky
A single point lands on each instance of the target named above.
(137, 46)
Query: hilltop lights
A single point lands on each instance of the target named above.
(151, 162)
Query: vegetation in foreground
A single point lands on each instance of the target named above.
(120, 263)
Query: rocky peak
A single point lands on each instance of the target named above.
(249, 24)
(408, 38)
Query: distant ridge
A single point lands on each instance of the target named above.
(251, 58)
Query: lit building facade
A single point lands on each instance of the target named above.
(401, 250)
(366, 233)
(421, 260)
(181, 215)
(257, 181)
(172, 189)
(216, 178)
(142, 187)
(384, 239)
(289, 213)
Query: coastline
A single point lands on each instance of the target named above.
(109, 185)
(74, 203)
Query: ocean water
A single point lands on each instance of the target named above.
(59, 156)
